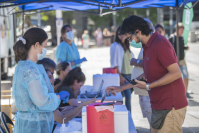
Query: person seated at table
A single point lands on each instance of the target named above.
(48, 64)
(65, 112)
(71, 88)
(62, 70)
(72, 83)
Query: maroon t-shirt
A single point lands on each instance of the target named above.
(157, 56)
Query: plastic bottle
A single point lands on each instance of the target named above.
(63, 128)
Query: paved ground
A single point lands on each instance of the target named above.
(99, 58)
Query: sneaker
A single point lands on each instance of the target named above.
(188, 96)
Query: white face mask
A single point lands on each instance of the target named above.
(43, 54)
(70, 35)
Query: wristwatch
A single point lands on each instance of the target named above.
(147, 87)
(138, 61)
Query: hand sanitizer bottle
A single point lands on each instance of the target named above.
(63, 129)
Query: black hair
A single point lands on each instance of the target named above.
(32, 36)
(126, 43)
(63, 30)
(133, 23)
(61, 66)
(74, 74)
(47, 63)
(159, 26)
(47, 70)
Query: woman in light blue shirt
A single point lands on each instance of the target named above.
(67, 51)
(33, 94)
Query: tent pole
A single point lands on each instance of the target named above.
(177, 33)
(39, 19)
(171, 14)
(0, 77)
(23, 20)
(120, 3)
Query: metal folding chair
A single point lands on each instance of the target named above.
(2, 130)
(4, 120)
(7, 105)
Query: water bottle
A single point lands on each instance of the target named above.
(63, 128)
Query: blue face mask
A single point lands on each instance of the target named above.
(43, 54)
(135, 45)
(70, 35)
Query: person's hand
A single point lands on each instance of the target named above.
(186, 47)
(63, 95)
(89, 102)
(79, 61)
(133, 62)
(66, 100)
(140, 84)
(122, 80)
(113, 89)
(84, 59)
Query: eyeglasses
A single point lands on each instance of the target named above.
(129, 38)
(48, 70)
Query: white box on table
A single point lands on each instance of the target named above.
(120, 119)
(109, 80)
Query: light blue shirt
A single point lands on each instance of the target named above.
(34, 98)
(67, 53)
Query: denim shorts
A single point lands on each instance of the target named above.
(145, 106)
(184, 71)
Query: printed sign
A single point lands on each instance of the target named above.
(187, 20)
(103, 118)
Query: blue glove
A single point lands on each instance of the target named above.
(79, 61)
(65, 101)
(63, 95)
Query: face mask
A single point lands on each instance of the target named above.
(43, 54)
(136, 45)
(70, 35)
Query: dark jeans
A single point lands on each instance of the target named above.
(127, 94)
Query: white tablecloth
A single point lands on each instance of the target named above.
(118, 97)
(132, 128)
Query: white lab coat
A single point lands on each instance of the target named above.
(116, 55)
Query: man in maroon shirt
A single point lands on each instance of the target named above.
(161, 70)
